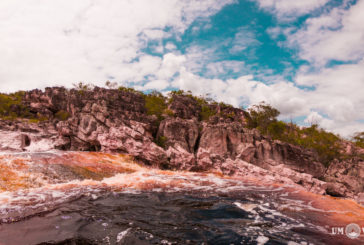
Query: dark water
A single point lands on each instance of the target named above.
(90, 198)
(161, 218)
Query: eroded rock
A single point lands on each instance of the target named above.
(117, 121)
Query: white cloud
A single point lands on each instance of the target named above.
(220, 68)
(287, 9)
(207, 57)
(154, 85)
(346, 129)
(338, 88)
(338, 91)
(170, 46)
(285, 96)
(337, 35)
(170, 65)
(243, 39)
(274, 32)
(336, 101)
(62, 41)
(343, 109)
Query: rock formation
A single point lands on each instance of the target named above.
(114, 120)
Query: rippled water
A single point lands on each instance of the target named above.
(89, 198)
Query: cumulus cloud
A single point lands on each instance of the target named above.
(338, 91)
(332, 45)
(337, 35)
(288, 9)
(61, 41)
(331, 108)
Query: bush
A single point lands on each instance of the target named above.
(111, 85)
(206, 113)
(224, 105)
(155, 103)
(261, 116)
(11, 106)
(169, 112)
(200, 100)
(81, 86)
(206, 110)
(358, 139)
(161, 141)
(129, 90)
(277, 129)
(325, 144)
(62, 115)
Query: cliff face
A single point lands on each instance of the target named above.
(117, 121)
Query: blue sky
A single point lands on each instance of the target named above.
(306, 58)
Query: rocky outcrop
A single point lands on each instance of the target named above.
(180, 136)
(345, 177)
(117, 121)
(233, 141)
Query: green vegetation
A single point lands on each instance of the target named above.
(81, 86)
(38, 119)
(261, 117)
(62, 115)
(11, 106)
(161, 141)
(327, 145)
(223, 105)
(199, 99)
(129, 90)
(111, 85)
(358, 139)
(206, 110)
(206, 113)
(169, 112)
(155, 103)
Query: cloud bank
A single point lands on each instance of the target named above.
(62, 41)
(140, 43)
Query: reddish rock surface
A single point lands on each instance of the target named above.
(111, 120)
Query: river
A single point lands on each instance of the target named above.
(99, 198)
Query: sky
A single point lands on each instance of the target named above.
(305, 58)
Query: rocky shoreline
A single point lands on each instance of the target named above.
(112, 120)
